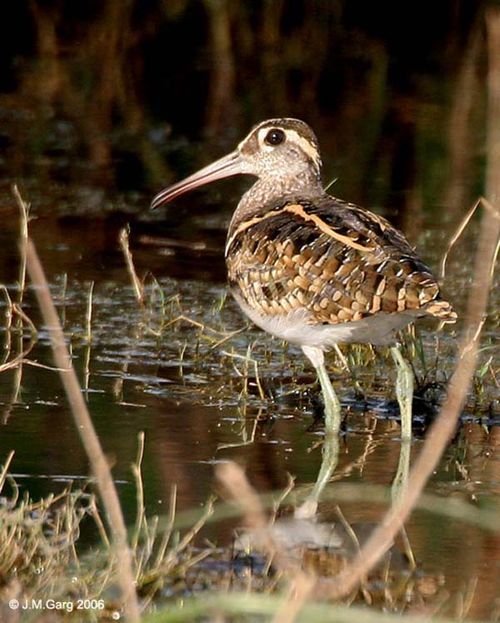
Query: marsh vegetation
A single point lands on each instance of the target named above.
(209, 427)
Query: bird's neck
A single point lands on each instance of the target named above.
(274, 189)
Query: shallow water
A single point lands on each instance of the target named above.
(193, 390)
(208, 387)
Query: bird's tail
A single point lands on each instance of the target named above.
(441, 309)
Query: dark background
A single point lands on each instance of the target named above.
(128, 95)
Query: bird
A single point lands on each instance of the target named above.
(313, 269)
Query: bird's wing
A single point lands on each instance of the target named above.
(339, 262)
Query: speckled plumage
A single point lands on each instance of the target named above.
(333, 259)
(306, 266)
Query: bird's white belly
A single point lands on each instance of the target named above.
(295, 327)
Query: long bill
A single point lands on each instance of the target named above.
(224, 167)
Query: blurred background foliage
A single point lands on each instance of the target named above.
(104, 102)
(128, 95)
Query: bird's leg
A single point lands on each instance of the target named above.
(329, 461)
(333, 417)
(404, 390)
(401, 478)
(398, 488)
(330, 453)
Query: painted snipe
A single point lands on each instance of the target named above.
(312, 269)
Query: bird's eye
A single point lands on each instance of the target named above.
(274, 137)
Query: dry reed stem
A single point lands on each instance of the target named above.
(5, 469)
(462, 226)
(233, 478)
(139, 488)
(301, 585)
(443, 428)
(458, 232)
(90, 440)
(88, 314)
(167, 531)
(25, 217)
(138, 286)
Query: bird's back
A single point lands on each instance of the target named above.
(333, 260)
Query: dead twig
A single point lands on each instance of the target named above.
(138, 286)
(85, 427)
(461, 228)
(444, 427)
(301, 584)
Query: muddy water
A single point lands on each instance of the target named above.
(204, 386)
(401, 123)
